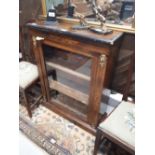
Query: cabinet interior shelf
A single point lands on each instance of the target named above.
(68, 107)
(67, 70)
(73, 93)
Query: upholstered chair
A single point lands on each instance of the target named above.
(119, 128)
(28, 76)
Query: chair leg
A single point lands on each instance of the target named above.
(27, 104)
(97, 141)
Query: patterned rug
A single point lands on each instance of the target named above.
(55, 134)
(40, 139)
(59, 136)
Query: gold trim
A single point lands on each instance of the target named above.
(117, 27)
(103, 60)
(35, 39)
(44, 7)
(39, 38)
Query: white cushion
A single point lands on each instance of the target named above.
(27, 73)
(116, 124)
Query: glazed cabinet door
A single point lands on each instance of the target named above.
(69, 78)
(73, 81)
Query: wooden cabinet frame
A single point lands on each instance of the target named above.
(103, 56)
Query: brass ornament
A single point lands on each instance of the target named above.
(103, 60)
(35, 39)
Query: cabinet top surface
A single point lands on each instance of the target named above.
(66, 29)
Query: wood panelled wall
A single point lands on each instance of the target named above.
(28, 11)
(121, 71)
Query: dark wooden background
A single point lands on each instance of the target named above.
(28, 11)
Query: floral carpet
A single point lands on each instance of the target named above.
(59, 131)
(58, 136)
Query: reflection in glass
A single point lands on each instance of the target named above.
(68, 78)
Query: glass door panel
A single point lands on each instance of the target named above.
(68, 78)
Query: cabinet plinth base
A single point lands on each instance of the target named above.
(70, 117)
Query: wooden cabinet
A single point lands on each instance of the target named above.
(74, 66)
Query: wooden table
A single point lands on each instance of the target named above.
(82, 58)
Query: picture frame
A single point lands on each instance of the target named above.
(117, 27)
(46, 5)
